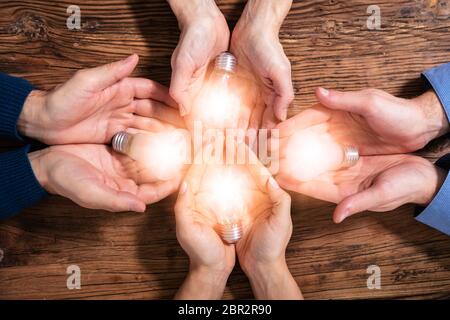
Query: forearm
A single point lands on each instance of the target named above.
(274, 283)
(266, 14)
(202, 284)
(189, 11)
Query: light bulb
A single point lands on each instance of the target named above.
(163, 153)
(310, 153)
(218, 103)
(225, 190)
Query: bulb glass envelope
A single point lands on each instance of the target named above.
(313, 151)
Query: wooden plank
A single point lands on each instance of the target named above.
(136, 256)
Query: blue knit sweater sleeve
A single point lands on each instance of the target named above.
(13, 93)
(18, 185)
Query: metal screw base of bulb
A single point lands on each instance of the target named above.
(230, 232)
(225, 61)
(351, 156)
(120, 141)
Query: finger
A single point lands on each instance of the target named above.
(280, 199)
(149, 89)
(284, 90)
(256, 116)
(352, 101)
(302, 120)
(106, 75)
(356, 203)
(151, 193)
(179, 84)
(259, 172)
(269, 120)
(183, 206)
(100, 196)
(154, 109)
(147, 124)
(195, 173)
(317, 189)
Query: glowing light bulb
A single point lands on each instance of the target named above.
(225, 189)
(310, 153)
(164, 153)
(218, 103)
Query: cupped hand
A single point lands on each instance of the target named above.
(196, 229)
(96, 177)
(374, 121)
(94, 105)
(202, 38)
(375, 183)
(259, 52)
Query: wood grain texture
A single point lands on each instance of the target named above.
(136, 256)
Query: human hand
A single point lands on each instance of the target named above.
(211, 260)
(375, 183)
(204, 34)
(256, 45)
(375, 121)
(261, 251)
(94, 105)
(96, 177)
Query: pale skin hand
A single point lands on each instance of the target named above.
(204, 35)
(211, 260)
(94, 105)
(374, 121)
(256, 45)
(96, 177)
(375, 183)
(261, 251)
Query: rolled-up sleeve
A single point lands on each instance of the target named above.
(437, 213)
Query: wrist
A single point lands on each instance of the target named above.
(434, 117)
(189, 12)
(31, 121)
(273, 281)
(265, 16)
(38, 165)
(434, 179)
(203, 283)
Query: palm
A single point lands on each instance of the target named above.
(394, 176)
(93, 116)
(78, 166)
(379, 135)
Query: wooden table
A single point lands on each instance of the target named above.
(136, 256)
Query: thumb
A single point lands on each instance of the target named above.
(284, 93)
(179, 86)
(106, 75)
(281, 201)
(356, 203)
(352, 101)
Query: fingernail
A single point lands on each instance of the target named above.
(284, 114)
(182, 110)
(273, 183)
(324, 92)
(183, 188)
